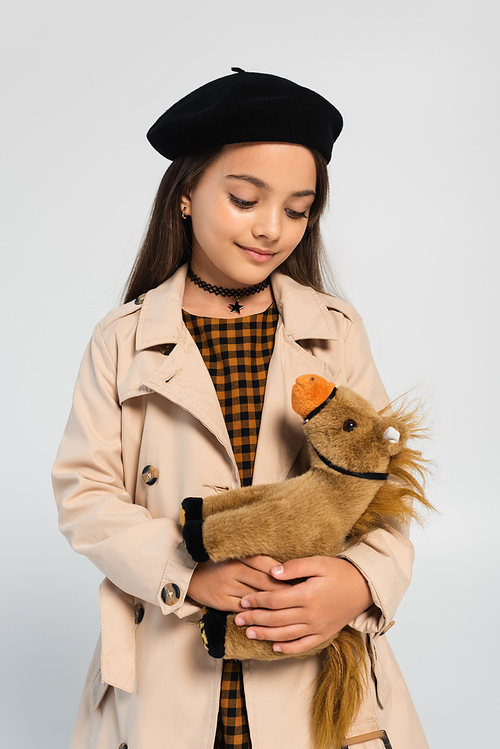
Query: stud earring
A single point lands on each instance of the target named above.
(183, 212)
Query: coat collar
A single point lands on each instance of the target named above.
(160, 319)
(304, 315)
(304, 312)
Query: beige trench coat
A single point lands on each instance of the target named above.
(143, 398)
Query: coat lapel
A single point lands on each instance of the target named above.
(303, 316)
(184, 379)
(182, 376)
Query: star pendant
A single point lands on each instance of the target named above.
(236, 307)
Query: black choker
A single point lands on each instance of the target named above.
(236, 293)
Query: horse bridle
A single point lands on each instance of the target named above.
(345, 471)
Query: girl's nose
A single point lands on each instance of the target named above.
(269, 225)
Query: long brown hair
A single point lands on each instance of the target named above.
(167, 242)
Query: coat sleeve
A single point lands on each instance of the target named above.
(384, 558)
(141, 555)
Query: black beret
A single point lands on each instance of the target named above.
(246, 108)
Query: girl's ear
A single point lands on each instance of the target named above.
(186, 204)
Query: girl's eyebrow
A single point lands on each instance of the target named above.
(260, 183)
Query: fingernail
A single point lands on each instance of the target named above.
(245, 604)
(278, 570)
(277, 649)
(239, 620)
(251, 634)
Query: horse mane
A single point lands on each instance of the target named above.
(401, 499)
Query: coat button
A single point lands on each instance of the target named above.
(139, 299)
(138, 613)
(170, 594)
(123, 746)
(150, 475)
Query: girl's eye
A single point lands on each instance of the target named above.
(245, 204)
(349, 425)
(297, 214)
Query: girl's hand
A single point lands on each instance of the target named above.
(300, 617)
(222, 585)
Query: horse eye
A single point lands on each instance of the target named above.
(349, 425)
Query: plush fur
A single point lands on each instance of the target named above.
(318, 513)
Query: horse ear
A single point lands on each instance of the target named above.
(309, 392)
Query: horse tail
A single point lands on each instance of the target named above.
(339, 689)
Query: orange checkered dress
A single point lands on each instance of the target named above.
(237, 354)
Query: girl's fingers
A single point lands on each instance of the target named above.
(278, 634)
(257, 580)
(295, 647)
(294, 639)
(222, 585)
(298, 568)
(270, 618)
(261, 562)
(287, 596)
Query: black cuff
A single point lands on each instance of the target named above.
(193, 508)
(192, 533)
(213, 631)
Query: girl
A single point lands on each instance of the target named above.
(185, 390)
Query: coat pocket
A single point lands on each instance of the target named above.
(97, 691)
(118, 636)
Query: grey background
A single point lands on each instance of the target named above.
(413, 233)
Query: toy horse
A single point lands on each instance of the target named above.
(344, 495)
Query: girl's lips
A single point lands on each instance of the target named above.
(256, 254)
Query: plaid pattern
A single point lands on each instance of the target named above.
(232, 725)
(237, 353)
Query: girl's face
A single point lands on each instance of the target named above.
(249, 211)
